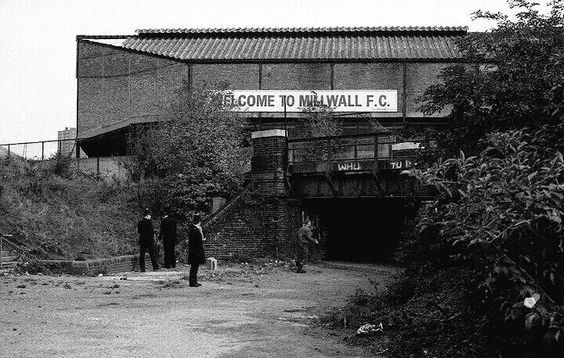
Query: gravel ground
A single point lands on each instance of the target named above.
(241, 310)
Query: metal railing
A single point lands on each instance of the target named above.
(359, 152)
(40, 150)
(5, 242)
(1, 251)
(29, 246)
(56, 149)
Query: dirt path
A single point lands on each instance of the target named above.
(240, 311)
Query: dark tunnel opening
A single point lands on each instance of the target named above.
(358, 230)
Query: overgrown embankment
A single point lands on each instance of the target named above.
(484, 261)
(47, 205)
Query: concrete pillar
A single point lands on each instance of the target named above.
(269, 161)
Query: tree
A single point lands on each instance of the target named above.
(500, 216)
(497, 221)
(318, 121)
(512, 77)
(195, 153)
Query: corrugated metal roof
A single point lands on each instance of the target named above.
(291, 44)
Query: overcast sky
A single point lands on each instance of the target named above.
(38, 46)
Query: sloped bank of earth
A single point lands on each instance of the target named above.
(240, 311)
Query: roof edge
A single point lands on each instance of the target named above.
(450, 30)
(101, 37)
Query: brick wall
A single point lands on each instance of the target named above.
(94, 267)
(115, 85)
(261, 221)
(238, 76)
(296, 76)
(419, 76)
(109, 168)
(254, 226)
(268, 154)
(268, 163)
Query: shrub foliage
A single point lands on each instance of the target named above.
(499, 215)
(513, 76)
(59, 212)
(198, 151)
(484, 260)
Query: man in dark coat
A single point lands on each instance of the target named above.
(168, 236)
(196, 256)
(146, 241)
(304, 240)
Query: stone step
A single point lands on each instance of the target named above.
(9, 264)
(6, 258)
(5, 253)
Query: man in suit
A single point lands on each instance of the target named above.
(146, 241)
(168, 237)
(196, 256)
(304, 240)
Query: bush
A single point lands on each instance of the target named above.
(491, 239)
(197, 152)
(512, 77)
(499, 217)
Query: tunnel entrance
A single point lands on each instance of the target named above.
(360, 230)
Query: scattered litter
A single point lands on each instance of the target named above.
(370, 328)
(295, 310)
(531, 301)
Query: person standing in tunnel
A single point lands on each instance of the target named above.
(304, 240)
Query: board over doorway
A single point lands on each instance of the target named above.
(360, 229)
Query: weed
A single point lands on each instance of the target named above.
(170, 284)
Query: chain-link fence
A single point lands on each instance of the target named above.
(41, 150)
(64, 148)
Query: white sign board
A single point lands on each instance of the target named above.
(298, 101)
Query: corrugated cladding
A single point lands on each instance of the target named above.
(287, 44)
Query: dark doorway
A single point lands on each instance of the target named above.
(362, 230)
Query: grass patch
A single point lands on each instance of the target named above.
(66, 214)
